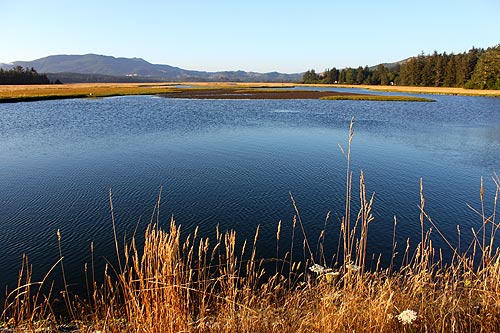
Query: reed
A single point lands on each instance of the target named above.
(196, 284)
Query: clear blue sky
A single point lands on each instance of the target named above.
(253, 35)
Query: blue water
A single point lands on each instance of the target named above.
(233, 163)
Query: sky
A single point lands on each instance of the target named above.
(253, 35)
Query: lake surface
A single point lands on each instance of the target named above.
(233, 163)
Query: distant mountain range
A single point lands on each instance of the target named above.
(100, 68)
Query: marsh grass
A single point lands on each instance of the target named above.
(378, 98)
(196, 284)
(9, 94)
(27, 93)
(417, 89)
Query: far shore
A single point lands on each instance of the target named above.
(415, 90)
(25, 93)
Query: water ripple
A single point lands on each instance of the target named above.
(231, 163)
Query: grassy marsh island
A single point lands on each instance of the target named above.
(199, 91)
(252, 93)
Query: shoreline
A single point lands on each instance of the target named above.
(204, 90)
(415, 90)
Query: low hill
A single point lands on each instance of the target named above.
(6, 67)
(139, 69)
(390, 65)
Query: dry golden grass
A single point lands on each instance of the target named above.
(202, 285)
(19, 93)
(417, 90)
(79, 90)
(377, 98)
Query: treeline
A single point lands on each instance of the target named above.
(381, 75)
(475, 69)
(20, 75)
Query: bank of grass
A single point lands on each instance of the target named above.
(438, 91)
(16, 93)
(418, 90)
(214, 285)
(377, 98)
(26, 93)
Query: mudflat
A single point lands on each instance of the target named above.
(249, 93)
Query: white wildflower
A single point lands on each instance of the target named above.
(407, 317)
(318, 269)
(353, 268)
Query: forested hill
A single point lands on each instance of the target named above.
(475, 69)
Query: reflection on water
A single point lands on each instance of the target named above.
(232, 163)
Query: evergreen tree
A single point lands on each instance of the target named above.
(472, 59)
(403, 74)
(440, 70)
(450, 72)
(409, 72)
(428, 70)
(342, 76)
(360, 77)
(487, 71)
(461, 70)
(332, 76)
(383, 75)
(310, 76)
(374, 77)
(350, 76)
(366, 75)
(419, 69)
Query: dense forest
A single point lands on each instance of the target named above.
(20, 75)
(379, 75)
(475, 69)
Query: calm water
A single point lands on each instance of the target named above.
(232, 163)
